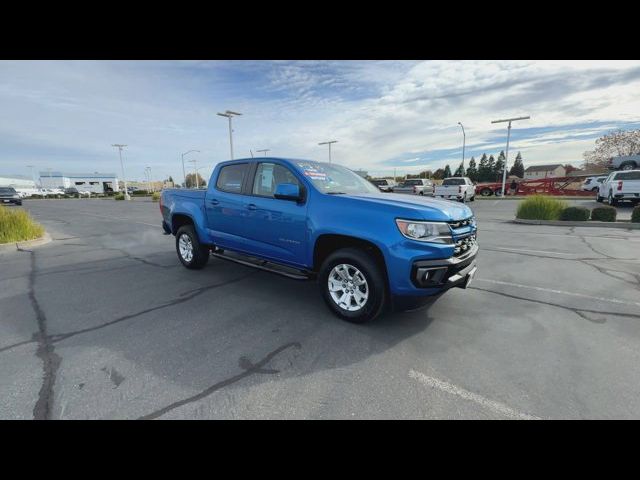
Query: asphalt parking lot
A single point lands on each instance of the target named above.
(105, 323)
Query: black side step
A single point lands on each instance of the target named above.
(268, 267)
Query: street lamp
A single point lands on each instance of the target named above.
(184, 174)
(265, 150)
(506, 157)
(126, 192)
(229, 114)
(329, 143)
(464, 141)
(195, 168)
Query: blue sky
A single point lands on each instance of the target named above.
(65, 115)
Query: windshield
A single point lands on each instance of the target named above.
(454, 181)
(335, 179)
(6, 190)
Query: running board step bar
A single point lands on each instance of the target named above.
(268, 267)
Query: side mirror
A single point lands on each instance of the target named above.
(287, 191)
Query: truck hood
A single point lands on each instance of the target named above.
(419, 207)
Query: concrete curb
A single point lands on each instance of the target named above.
(6, 247)
(590, 223)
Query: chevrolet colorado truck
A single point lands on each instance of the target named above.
(310, 220)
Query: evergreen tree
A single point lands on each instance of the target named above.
(518, 167)
(438, 174)
(491, 169)
(472, 171)
(499, 166)
(459, 171)
(447, 172)
(483, 170)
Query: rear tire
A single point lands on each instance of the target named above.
(472, 199)
(357, 266)
(599, 199)
(191, 252)
(612, 201)
(486, 192)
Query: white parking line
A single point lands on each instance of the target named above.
(492, 405)
(516, 250)
(561, 292)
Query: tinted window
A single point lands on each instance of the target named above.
(379, 182)
(454, 181)
(231, 177)
(7, 190)
(268, 176)
(628, 176)
(413, 182)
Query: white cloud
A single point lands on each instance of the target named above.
(65, 115)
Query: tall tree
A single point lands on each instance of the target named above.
(483, 170)
(447, 172)
(491, 169)
(191, 181)
(438, 174)
(459, 171)
(613, 144)
(518, 167)
(498, 168)
(472, 171)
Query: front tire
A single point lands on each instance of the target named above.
(612, 201)
(599, 199)
(191, 252)
(352, 285)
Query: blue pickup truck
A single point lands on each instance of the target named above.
(313, 220)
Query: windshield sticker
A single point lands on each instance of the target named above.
(315, 175)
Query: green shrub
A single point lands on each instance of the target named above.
(141, 193)
(576, 214)
(539, 207)
(635, 215)
(118, 196)
(17, 226)
(604, 214)
(155, 197)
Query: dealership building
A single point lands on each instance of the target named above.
(92, 182)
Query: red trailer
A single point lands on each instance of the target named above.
(568, 185)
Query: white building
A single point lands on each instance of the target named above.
(92, 182)
(537, 172)
(19, 183)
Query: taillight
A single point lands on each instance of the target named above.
(459, 188)
(619, 185)
(414, 189)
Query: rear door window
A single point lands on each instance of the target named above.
(231, 177)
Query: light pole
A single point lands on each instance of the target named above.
(195, 169)
(229, 114)
(265, 150)
(120, 147)
(184, 174)
(506, 157)
(329, 143)
(464, 141)
(147, 172)
(32, 177)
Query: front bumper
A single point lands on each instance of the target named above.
(9, 201)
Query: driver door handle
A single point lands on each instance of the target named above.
(252, 206)
(213, 201)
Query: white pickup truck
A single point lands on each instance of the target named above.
(620, 186)
(459, 188)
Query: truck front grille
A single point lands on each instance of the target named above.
(463, 245)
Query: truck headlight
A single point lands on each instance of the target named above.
(434, 232)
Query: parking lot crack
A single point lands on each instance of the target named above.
(45, 352)
(249, 369)
(578, 311)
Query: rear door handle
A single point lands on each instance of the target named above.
(213, 201)
(251, 206)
